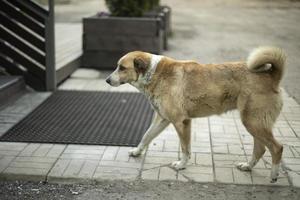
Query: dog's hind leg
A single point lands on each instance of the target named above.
(258, 151)
(264, 135)
(183, 129)
(157, 126)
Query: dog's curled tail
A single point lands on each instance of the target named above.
(267, 59)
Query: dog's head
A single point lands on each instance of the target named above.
(129, 68)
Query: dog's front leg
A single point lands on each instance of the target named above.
(157, 126)
(183, 129)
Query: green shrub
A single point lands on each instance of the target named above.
(130, 8)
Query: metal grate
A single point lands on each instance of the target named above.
(83, 117)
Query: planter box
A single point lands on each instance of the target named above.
(163, 12)
(106, 39)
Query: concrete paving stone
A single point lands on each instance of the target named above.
(110, 153)
(287, 152)
(120, 164)
(26, 103)
(182, 178)
(236, 149)
(29, 149)
(11, 117)
(156, 145)
(56, 150)
(294, 143)
(260, 164)
(73, 168)
(264, 173)
(196, 169)
(204, 149)
(171, 146)
(230, 130)
(84, 147)
(201, 178)
(26, 171)
(166, 173)
(220, 149)
(287, 132)
(108, 172)
(122, 154)
(138, 159)
(42, 150)
(226, 140)
(162, 154)
(224, 175)
(200, 143)
(292, 160)
(203, 159)
(293, 167)
(4, 127)
(151, 174)
(9, 153)
(84, 151)
(59, 167)
(81, 156)
(159, 160)
(34, 165)
(266, 181)
(147, 166)
(225, 163)
(5, 161)
(35, 159)
(13, 146)
(241, 177)
(295, 178)
(214, 128)
(227, 136)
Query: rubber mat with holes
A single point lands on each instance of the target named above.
(82, 117)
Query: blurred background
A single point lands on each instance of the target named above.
(219, 30)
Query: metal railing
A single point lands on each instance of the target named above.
(27, 45)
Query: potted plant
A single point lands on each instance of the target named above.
(131, 25)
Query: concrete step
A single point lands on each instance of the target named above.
(10, 86)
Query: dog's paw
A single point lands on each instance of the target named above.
(273, 180)
(135, 152)
(178, 165)
(244, 166)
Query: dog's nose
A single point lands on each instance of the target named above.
(108, 80)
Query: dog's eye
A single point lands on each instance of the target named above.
(122, 68)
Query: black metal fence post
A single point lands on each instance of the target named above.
(50, 49)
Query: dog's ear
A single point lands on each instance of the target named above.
(140, 65)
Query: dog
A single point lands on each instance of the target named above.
(181, 90)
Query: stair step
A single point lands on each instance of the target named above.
(10, 86)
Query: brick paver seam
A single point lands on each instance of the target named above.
(211, 151)
(54, 163)
(15, 157)
(287, 121)
(242, 143)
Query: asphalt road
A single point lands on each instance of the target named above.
(119, 190)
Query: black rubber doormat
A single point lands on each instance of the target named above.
(83, 117)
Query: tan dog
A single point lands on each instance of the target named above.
(182, 90)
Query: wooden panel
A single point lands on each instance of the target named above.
(122, 42)
(9, 10)
(101, 59)
(32, 81)
(28, 10)
(14, 27)
(19, 44)
(121, 25)
(17, 57)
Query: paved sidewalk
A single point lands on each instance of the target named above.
(218, 143)
(204, 32)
